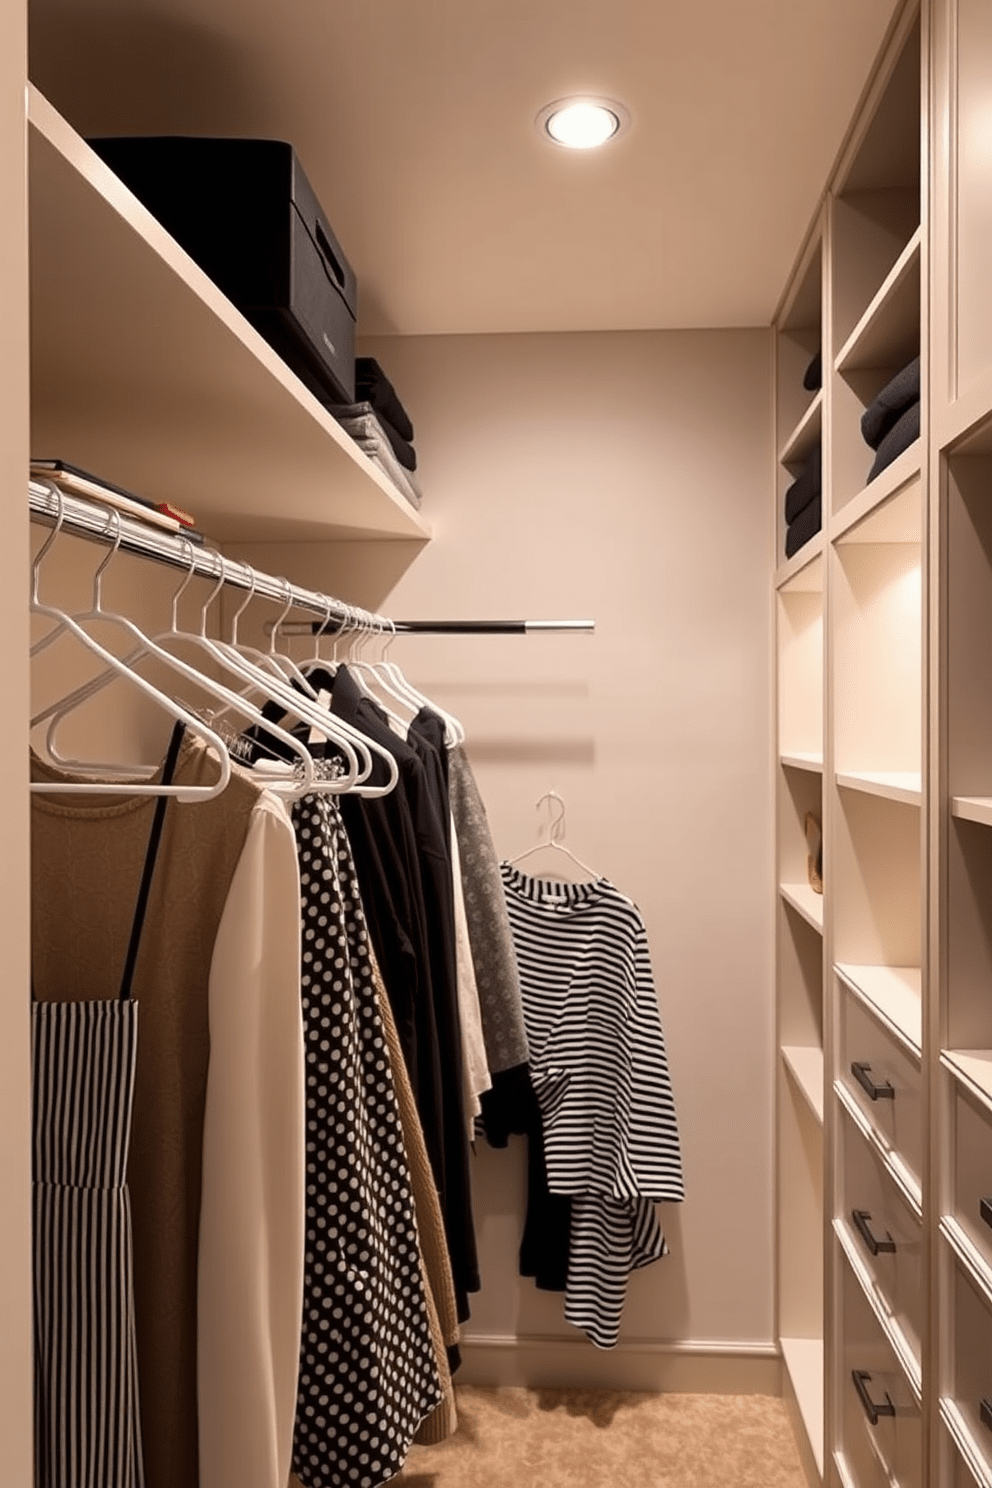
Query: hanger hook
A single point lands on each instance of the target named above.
(114, 523)
(556, 824)
(252, 581)
(321, 628)
(286, 609)
(390, 637)
(212, 596)
(187, 580)
(56, 529)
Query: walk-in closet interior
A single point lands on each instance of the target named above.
(722, 392)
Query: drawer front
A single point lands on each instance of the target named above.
(972, 1199)
(881, 1428)
(884, 1079)
(954, 1470)
(971, 1383)
(886, 1233)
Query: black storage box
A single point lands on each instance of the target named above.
(245, 211)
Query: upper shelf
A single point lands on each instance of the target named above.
(143, 372)
(888, 333)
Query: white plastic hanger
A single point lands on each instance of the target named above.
(147, 646)
(325, 724)
(66, 626)
(556, 833)
(407, 694)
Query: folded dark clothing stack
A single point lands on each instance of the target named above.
(803, 503)
(373, 386)
(805, 526)
(807, 485)
(813, 376)
(891, 423)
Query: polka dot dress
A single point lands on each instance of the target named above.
(368, 1374)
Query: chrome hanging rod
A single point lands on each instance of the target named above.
(458, 627)
(89, 519)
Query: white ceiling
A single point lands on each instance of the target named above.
(414, 121)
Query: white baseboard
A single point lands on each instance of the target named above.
(684, 1368)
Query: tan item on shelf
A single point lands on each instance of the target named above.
(814, 851)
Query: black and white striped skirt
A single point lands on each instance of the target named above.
(87, 1428)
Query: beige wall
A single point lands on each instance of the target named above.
(621, 477)
(15, 1151)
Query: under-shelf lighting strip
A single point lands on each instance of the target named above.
(89, 519)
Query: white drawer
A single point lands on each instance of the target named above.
(884, 1079)
(880, 1425)
(954, 1471)
(970, 1385)
(972, 1167)
(886, 1233)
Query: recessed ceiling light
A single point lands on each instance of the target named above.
(582, 123)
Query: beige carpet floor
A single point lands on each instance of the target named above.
(515, 1438)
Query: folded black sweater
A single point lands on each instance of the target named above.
(896, 396)
(903, 432)
(807, 485)
(805, 526)
(373, 386)
(813, 376)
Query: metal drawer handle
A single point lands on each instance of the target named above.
(885, 1091)
(986, 1413)
(862, 1224)
(872, 1409)
(985, 1210)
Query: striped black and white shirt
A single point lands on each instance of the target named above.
(600, 1072)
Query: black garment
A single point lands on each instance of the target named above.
(402, 448)
(896, 396)
(412, 845)
(813, 376)
(373, 386)
(902, 434)
(511, 1106)
(807, 486)
(805, 526)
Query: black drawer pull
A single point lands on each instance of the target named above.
(986, 1413)
(985, 1210)
(872, 1409)
(862, 1224)
(885, 1091)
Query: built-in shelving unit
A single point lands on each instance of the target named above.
(145, 373)
(854, 654)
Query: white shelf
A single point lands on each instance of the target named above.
(889, 330)
(890, 510)
(803, 437)
(804, 901)
(799, 761)
(905, 786)
(805, 1065)
(973, 809)
(973, 1067)
(894, 993)
(792, 576)
(804, 1361)
(143, 372)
